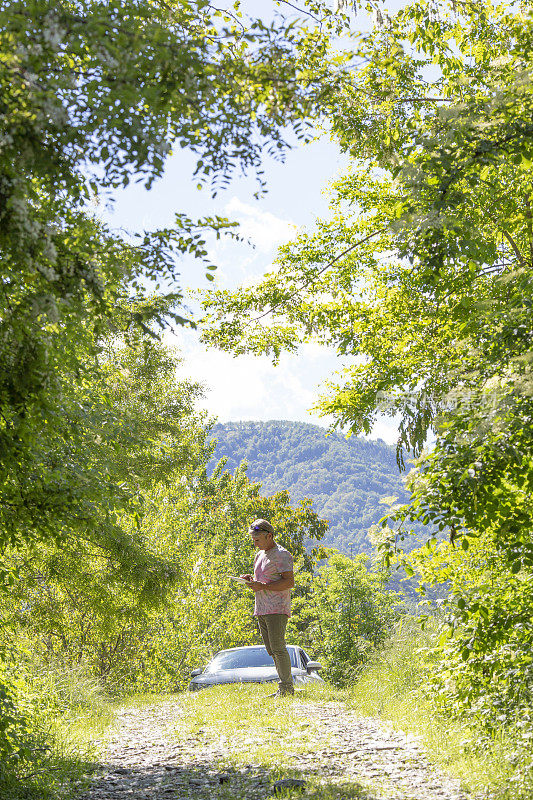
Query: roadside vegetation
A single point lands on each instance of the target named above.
(54, 716)
(116, 536)
(401, 684)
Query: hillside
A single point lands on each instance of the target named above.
(345, 478)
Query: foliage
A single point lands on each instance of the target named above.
(205, 612)
(58, 712)
(130, 426)
(486, 643)
(423, 276)
(343, 614)
(398, 684)
(14, 732)
(346, 478)
(477, 483)
(117, 434)
(146, 634)
(142, 597)
(95, 95)
(395, 276)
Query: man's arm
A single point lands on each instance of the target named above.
(286, 582)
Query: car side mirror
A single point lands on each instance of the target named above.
(196, 672)
(313, 666)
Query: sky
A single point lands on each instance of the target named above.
(247, 387)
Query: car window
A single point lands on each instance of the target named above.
(303, 658)
(235, 659)
(246, 657)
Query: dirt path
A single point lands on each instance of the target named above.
(363, 758)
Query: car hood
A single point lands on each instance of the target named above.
(244, 674)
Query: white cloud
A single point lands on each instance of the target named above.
(245, 262)
(264, 229)
(252, 388)
(385, 428)
(247, 387)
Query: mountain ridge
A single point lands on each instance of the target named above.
(344, 477)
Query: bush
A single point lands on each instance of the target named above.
(14, 726)
(344, 615)
(398, 684)
(48, 715)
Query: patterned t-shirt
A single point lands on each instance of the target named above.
(268, 566)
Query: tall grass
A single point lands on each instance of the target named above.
(394, 687)
(67, 710)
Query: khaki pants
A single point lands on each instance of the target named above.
(272, 628)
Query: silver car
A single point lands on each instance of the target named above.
(253, 665)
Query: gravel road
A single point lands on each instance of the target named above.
(355, 757)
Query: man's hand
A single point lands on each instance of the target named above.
(255, 586)
(286, 582)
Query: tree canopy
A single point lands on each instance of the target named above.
(96, 95)
(422, 271)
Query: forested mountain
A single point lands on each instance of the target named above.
(345, 478)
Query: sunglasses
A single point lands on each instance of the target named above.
(257, 529)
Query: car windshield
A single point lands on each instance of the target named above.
(242, 659)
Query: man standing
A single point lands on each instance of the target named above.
(272, 582)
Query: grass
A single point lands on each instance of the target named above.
(69, 711)
(250, 729)
(263, 735)
(392, 687)
(254, 729)
(246, 723)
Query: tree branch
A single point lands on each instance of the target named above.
(310, 280)
(529, 226)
